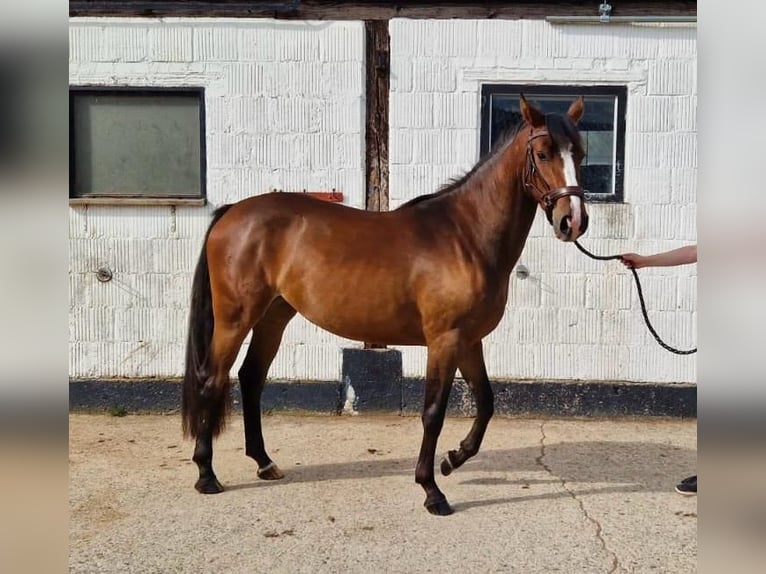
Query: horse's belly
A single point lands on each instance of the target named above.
(359, 313)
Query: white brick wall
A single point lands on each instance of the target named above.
(285, 109)
(573, 318)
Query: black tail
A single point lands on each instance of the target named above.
(195, 408)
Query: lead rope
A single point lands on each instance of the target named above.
(641, 299)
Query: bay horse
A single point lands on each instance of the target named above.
(434, 272)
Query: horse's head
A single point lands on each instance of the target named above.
(552, 167)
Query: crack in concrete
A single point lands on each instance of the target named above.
(541, 462)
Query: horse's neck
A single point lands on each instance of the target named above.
(502, 212)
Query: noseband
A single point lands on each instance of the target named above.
(548, 197)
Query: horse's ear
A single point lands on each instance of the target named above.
(530, 113)
(576, 110)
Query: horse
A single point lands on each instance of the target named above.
(434, 272)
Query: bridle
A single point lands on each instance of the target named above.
(546, 198)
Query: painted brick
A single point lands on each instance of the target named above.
(413, 361)
(454, 38)
(219, 115)
(340, 78)
(657, 221)
(78, 221)
(649, 185)
(612, 291)
(402, 149)
(215, 43)
(618, 64)
(565, 290)
(344, 42)
(133, 255)
(296, 46)
(536, 325)
(250, 79)
(684, 185)
(86, 255)
(610, 220)
(646, 150)
(433, 76)
(672, 77)
(524, 293)
(408, 38)
(583, 63)
(681, 43)
(662, 291)
(623, 325)
(500, 38)
(170, 44)
(685, 113)
(315, 362)
(401, 76)
(444, 148)
(133, 44)
(538, 41)
(91, 324)
(652, 114)
(683, 149)
(414, 110)
(128, 221)
(79, 290)
(586, 41)
(174, 255)
(256, 43)
(578, 326)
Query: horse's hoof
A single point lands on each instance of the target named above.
(208, 486)
(270, 472)
(446, 466)
(439, 508)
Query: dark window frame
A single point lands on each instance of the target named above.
(145, 198)
(532, 90)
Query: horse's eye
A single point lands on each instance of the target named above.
(542, 156)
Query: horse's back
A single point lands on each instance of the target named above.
(349, 271)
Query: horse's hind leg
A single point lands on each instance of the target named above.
(232, 322)
(471, 365)
(267, 335)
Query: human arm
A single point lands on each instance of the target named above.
(681, 256)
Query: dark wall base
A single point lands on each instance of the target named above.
(164, 396)
(547, 398)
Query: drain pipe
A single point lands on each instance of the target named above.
(605, 17)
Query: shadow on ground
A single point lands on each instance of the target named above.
(629, 466)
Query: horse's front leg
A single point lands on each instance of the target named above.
(471, 365)
(442, 362)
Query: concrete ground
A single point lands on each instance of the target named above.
(542, 496)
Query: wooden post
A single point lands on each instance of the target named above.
(378, 66)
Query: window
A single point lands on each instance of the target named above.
(602, 127)
(136, 143)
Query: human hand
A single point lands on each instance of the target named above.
(633, 260)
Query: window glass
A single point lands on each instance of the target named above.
(136, 144)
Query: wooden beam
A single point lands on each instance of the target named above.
(378, 80)
(372, 10)
(378, 66)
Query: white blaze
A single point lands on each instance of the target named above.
(570, 177)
